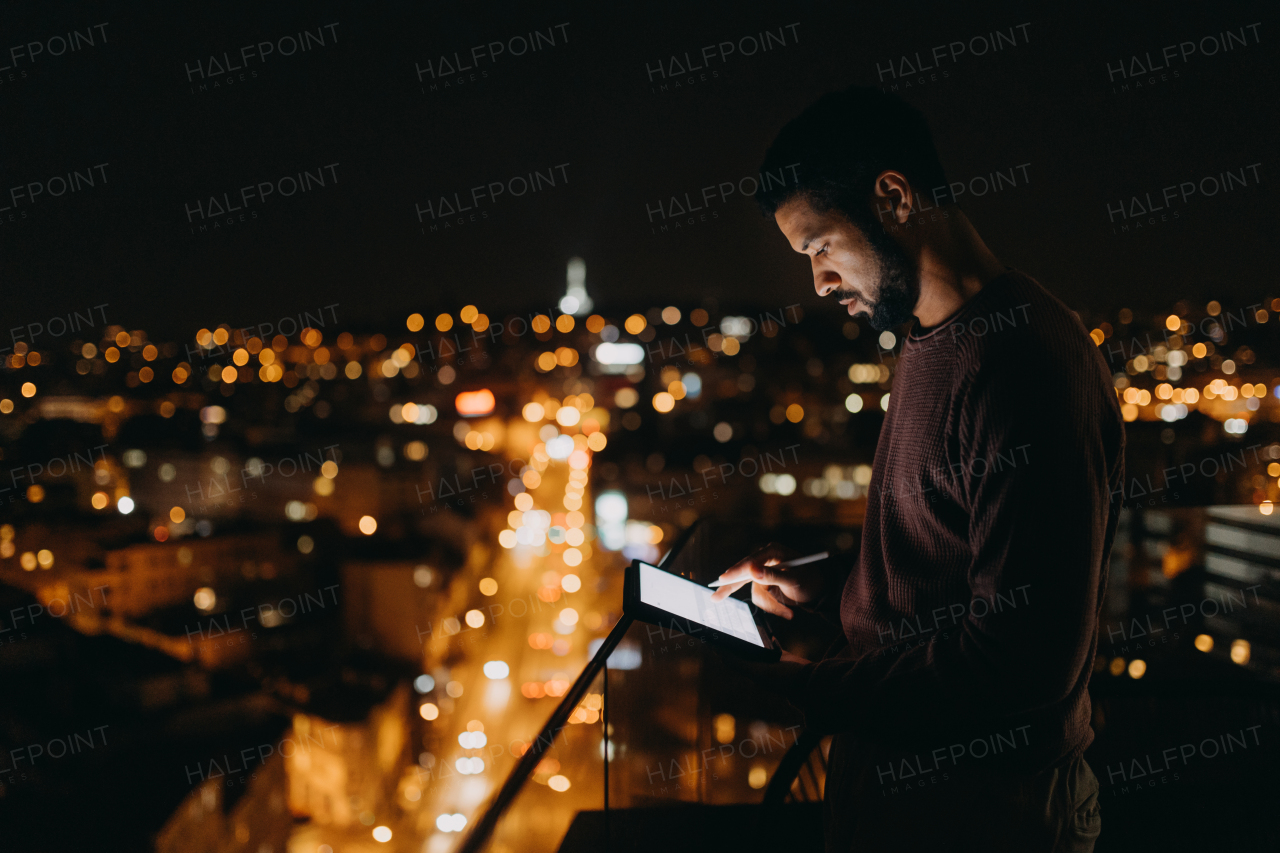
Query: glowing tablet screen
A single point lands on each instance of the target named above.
(691, 601)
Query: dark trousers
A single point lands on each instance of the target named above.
(1055, 811)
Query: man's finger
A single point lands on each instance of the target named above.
(725, 591)
(763, 599)
(769, 554)
(740, 572)
(772, 551)
(773, 577)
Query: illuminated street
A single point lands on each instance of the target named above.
(538, 605)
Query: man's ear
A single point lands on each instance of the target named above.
(894, 198)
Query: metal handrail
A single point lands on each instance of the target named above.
(793, 761)
(483, 828)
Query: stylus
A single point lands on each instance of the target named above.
(798, 561)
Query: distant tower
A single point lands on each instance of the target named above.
(575, 300)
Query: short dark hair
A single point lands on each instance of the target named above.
(832, 153)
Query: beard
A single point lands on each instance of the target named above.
(897, 279)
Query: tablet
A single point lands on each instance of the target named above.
(670, 601)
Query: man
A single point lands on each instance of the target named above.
(959, 693)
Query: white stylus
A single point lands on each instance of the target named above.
(798, 561)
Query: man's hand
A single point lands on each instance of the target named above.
(772, 589)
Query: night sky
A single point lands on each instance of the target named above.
(587, 108)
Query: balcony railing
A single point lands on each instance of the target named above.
(682, 734)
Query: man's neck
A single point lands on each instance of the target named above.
(953, 268)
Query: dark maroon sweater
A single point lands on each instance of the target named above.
(973, 607)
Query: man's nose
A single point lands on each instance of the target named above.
(825, 282)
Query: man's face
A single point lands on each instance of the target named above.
(863, 267)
